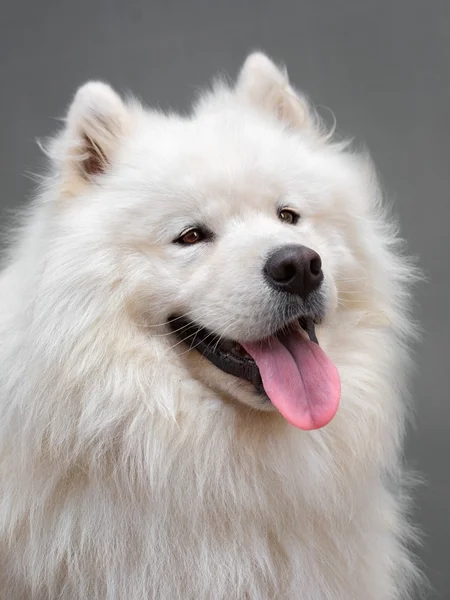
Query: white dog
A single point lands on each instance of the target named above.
(170, 429)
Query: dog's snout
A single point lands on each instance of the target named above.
(294, 269)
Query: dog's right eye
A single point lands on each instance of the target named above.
(192, 236)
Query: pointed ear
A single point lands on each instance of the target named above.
(267, 87)
(96, 123)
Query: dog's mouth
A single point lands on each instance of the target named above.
(289, 367)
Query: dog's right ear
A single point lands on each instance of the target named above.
(96, 123)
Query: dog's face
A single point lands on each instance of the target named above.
(232, 231)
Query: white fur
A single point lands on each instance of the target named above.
(131, 469)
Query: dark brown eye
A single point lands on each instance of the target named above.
(193, 236)
(288, 216)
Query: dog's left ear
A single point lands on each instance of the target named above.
(267, 87)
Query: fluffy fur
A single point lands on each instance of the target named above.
(131, 468)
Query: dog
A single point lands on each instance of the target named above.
(204, 337)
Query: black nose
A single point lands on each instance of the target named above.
(294, 269)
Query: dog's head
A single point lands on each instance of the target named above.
(232, 236)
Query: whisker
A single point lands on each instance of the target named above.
(193, 335)
(223, 334)
(214, 336)
(186, 316)
(183, 316)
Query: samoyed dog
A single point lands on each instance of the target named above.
(204, 333)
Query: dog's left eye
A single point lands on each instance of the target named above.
(288, 216)
(192, 236)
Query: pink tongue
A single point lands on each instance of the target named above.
(299, 378)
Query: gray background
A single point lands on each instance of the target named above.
(382, 66)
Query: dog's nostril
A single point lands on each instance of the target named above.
(289, 271)
(281, 271)
(315, 266)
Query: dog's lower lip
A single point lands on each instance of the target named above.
(228, 355)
